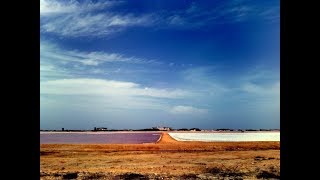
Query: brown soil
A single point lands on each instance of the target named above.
(167, 159)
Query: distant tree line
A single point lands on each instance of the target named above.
(147, 129)
(223, 129)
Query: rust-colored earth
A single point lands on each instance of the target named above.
(166, 159)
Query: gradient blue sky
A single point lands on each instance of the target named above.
(144, 63)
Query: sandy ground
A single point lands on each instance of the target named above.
(166, 159)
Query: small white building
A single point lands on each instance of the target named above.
(164, 128)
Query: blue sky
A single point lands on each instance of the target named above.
(138, 64)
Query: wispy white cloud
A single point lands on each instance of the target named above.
(272, 89)
(106, 95)
(176, 20)
(197, 15)
(258, 90)
(192, 8)
(74, 19)
(99, 95)
(260, 98)
(77, 25)
(188, 110)
(257, 80)
(53, 52)
(56, 7)
(107, 88)
(206, 78)
(49, 71)
(48, 7)
(59, 63)
(260, 81)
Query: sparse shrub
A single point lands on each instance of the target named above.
(94, 176)
(268, 175)
(70, 176)
(226, 171)
(189, 176)
(214, 170)
(259, 158)
(43, 174)
(133, 176)
(273, 169)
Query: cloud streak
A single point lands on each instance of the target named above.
(257, 90)
(95, 58)
(54, 7)
(106, 88)
(78, 25)
(225, 12)
(187, 110)
(74, 19)
(49, 71)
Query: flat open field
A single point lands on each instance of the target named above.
(166, 159)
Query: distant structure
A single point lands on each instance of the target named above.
(162, 128)
(195, 129)
(62, 129)
(100, 129)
